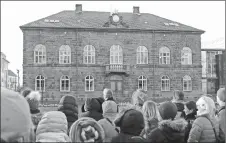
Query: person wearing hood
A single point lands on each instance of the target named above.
(109, 113)
(69, 107)
(205, 128)
(138, 99)
(150, 112)
(53, 127)
(131, 123)
(16, 123)
(170, 130)
(86, 129)
(25, 91)
(221, 98)
(33, 99)
(92, 108)
(178, 100)
(108, 98)
(190, 111)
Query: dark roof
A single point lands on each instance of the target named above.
(96, 20)
(10, 73)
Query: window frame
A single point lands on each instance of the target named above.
(116, 55)
(65, 78)
(187, 79)
(90, 79)
(40, 48)
(143, 80)
(142, 52)
(162, 51)
(168, 79)
(89, 52)
(65, 49)
(40, 83)
(188, 56)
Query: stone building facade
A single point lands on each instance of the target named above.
(80, 53)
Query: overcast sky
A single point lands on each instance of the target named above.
(205, 15)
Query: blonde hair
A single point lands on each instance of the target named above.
(210, 105)
(150, 110)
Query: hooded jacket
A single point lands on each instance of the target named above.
(92, 108)
(52, 128)
(69, 107)
(169, 131)
(202, 130)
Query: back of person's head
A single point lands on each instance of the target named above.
(221, 96)
(92, 104)
(86, 129)
(178, 95)
(53, 127)
(107, 93)
(191, 105)
(109, 107)
(138, 98)
(33, 99)
(16, 123)
(206, 105)
(167, 110)
(149, 110)
(25, 91)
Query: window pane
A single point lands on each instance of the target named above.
(119, 86)
(113, 86)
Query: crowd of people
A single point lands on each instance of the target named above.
(102, 120)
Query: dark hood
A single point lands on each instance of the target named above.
(92, 104)
(191, 116)
(173, 130)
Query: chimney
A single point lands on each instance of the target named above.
(78, 8)
(136, 10)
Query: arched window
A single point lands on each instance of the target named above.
(65, 54)
(40, 83)
(40, 54)
(116, 55)
(89, 83)
(142, 55)
(187, 83)
(165, 86)
(164, 55)
(142, 83)
(89, 55)
(186, 56)
(64, 83)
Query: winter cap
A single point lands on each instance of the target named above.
(221, 94)
(109, 107)
(130, 121)
(33, 99)
(191, 105)
(167, 110)
(92, 104)
(86, 129)
(15, 116)
(107, 93)
(138, 98)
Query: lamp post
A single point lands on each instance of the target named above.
(18, 78)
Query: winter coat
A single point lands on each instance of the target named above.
(168, 131)
(69, 107)
(222, 121)
(109, 129)
(180, 108)
(150, 125)
(123, 137)
(93, 108)
(190, 118)
(36, 118)
(52, 128)
(202, 130)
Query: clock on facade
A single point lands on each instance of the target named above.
(115, 18)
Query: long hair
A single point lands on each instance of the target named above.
(150, 110)
(210, 105)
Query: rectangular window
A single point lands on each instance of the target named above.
(113, 86)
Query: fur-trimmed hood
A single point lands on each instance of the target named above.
(173, 129)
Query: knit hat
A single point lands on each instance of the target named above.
(130, 121)
(92, 104)
(86, 129)
(190, 105)
(167, 110)
(138, 98)
(33, 100)
(109, 107)
(221, 94)
(107, 93)
(15, 116)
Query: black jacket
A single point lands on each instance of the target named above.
(190, 119)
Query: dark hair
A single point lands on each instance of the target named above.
(190, 105)
(26, 91)
(179, 95)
